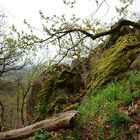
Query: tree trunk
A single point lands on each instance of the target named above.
(1, 115)
(53, 123)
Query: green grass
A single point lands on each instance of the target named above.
(106, 101)
(103, 109)
(42, 136)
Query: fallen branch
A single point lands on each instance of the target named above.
(53, 123)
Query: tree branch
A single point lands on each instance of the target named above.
(115, 28)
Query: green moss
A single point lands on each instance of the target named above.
(115, 61)
(58, 92)
(70, 107)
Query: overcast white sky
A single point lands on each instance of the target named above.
(18, 10)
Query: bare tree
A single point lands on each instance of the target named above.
(24, 86)
(11, 51)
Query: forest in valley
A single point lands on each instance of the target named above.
(75, 79)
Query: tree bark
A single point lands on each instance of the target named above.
(53, 123)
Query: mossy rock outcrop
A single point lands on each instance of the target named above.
(60, 86)
(61, 91)
(116, 61)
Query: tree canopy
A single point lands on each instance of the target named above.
(73, 38)
(76, 37)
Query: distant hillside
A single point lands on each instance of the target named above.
(7, 87)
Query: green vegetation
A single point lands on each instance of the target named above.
(104, 113)
(105, 110)
(42, 136)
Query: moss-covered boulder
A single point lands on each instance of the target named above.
(115, 61)
(60, 91)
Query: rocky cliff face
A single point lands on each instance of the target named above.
(63, 86)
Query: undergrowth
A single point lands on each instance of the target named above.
(103, 114)
(42, 136)
(103, 111)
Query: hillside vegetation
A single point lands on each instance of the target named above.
(113, 111)
(104, 88)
